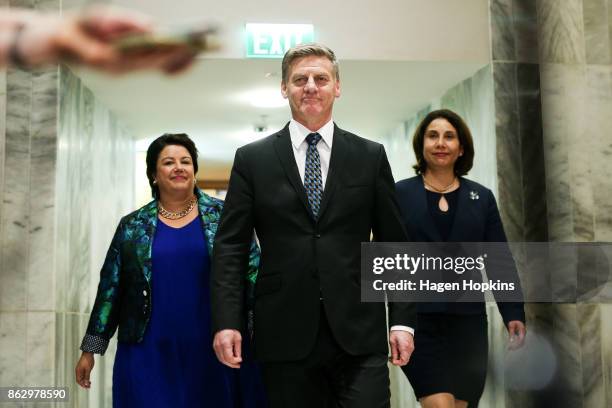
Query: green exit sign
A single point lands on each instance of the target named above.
(273, 40)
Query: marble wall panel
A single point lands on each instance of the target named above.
(606, 351)
(532, 151)
(2, 141)
(81, 204)
(42, 189)
(75, 4)
(13, 346)
(572, 111)
(15, 220)
(40, 346)
(567, 388)
(68, 340)
(525, 19)
(94, 142)
(610, 28)
(508, 149)
(482, 126)
(48, 5)
(560, 31)
(597, 117)
(22, 3)
(61, 360)
(596, 31)
(95, 153)
(502, 30)
(73, 179)
(591, 347)
(68, 100)
(557, 104)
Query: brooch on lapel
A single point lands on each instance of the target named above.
(474, 195)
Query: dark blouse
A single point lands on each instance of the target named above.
(443, 220)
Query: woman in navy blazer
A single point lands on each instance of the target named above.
(449, 362)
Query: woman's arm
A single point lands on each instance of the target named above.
(513, 313)
(105, 313)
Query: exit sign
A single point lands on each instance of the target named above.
(273, 40)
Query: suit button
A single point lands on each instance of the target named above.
(144, 293)
(317, 236)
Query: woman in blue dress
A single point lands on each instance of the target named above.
(154, 286)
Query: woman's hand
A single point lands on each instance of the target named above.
(516, 331)
(83, 369)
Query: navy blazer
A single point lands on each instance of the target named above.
(476, 220)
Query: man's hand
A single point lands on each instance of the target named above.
(516, 333)
(402, 346)
(228, 347)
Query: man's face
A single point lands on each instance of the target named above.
(311, 88)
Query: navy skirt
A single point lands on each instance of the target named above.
(450, 356)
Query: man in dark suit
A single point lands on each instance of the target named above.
(312, 192)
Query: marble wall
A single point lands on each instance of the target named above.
(66, 177)
(67, 168)
(545, 151)
(28, 114)
(95, 175)
(553, 100)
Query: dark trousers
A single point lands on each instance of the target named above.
(328, 377)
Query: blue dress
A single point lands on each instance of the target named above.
(175, 365)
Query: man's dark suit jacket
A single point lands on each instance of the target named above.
(476, 220)
(304, 260)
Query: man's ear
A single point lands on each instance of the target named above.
(284, 89)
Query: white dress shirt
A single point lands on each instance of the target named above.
(298, 133)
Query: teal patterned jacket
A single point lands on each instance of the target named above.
(124, 292)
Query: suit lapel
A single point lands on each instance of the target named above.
(284, 151)
(339, 152)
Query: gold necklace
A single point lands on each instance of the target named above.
(439, 190)
(442, 203)
(177, 215)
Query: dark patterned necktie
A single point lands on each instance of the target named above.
(313, 182)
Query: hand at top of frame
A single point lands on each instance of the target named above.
(516, 333)
(88, 38)
(402, 346)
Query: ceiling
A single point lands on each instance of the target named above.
(211, 102)
(394, 59)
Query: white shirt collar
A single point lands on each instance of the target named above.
(298, 133)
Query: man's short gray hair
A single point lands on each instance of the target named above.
(307, 50)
